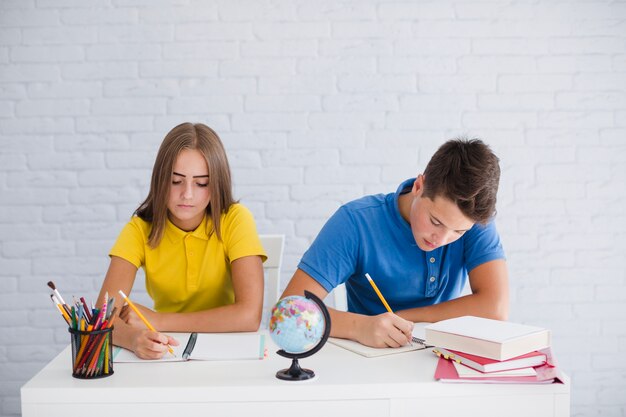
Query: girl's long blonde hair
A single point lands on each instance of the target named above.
(187, 136)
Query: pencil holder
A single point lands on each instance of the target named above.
(92, 353)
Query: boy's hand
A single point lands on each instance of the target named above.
(384, 330)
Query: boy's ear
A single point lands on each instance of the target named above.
(418, 185)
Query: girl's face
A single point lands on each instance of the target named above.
(189, 192)
(437, 222)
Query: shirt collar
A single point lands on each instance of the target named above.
(175, 235)
(404, 187)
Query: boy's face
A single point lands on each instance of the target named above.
(437, 222)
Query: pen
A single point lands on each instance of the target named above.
(190, 345)
(380, 295)
(145, 321)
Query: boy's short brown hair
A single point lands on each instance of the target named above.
(466, 172)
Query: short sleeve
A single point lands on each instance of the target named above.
(332, 258)
(131, 243)
(239, 234)
(482, 244)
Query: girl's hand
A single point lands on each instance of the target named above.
(132, 319)
(152, 345)
(384, 330)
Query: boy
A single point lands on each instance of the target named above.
(419, 245)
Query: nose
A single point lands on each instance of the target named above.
(441, 238)
(188, 191)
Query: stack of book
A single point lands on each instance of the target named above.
(474, 349)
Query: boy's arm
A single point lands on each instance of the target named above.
(490, 297)
(383, 330)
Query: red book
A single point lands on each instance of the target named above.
(445, 372)
(487, 365)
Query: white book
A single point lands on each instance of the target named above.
(466, 372)
(417, 343)
(205, 347)
(494, 339)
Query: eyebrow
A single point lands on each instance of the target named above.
(439, 221)
(195, 176)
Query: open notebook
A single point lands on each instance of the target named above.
(417, 343)
(205, 347)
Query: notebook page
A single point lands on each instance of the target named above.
(228, 346)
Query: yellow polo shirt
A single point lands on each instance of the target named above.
(190, 271)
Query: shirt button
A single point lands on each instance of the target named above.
(190, 253)
(432, 260)
(432, 279)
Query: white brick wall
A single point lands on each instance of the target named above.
(319, 103)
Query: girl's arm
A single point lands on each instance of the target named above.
(244, 315)
(145, 343)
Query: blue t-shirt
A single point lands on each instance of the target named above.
(369, 235)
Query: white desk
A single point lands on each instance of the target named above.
(346, 384)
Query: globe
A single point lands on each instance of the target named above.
(299, 326)
(296, 324)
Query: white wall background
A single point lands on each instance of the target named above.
(319, 102)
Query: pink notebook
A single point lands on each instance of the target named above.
(446, 372)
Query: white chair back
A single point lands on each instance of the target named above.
(339, 297)
(274, 246)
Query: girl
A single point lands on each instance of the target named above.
(199, 249)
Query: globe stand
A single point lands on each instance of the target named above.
(295, 372)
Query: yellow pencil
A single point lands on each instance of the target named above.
(64, 314)
(145, 321)
(380, 295)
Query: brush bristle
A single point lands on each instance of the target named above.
(51, 285)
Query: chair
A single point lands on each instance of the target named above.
(340, 298)
(274, 246)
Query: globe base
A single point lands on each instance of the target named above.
(295, 372)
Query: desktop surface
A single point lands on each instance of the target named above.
(345, 383)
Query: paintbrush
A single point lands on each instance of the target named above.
(56, 292)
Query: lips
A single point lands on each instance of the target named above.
(429, 244)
